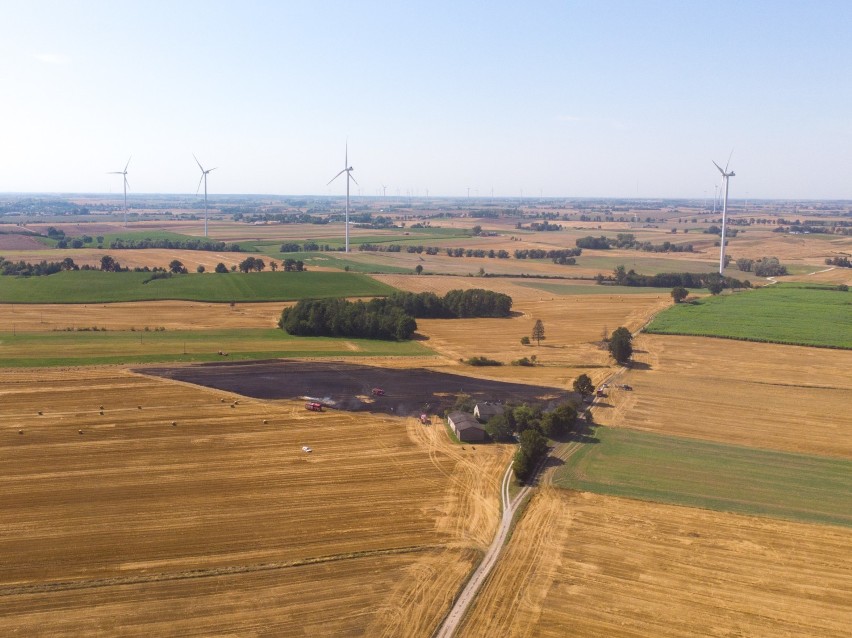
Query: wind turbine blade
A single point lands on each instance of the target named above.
(199, 184)
(346, 156)
(126, 183)
(336, 176)
(719, 167)
(729, 160)
(115, 173)
(352, 178)
(212, 169)
(197, 162)
(128, 163)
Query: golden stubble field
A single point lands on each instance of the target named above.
(221, 523)
(573, 327)
(583, 564)
(772, 396)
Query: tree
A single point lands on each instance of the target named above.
(200, 268)
(621, 345)
(715, 287)
(221, 268)
(679, 294)
(498, 428)
(525, 341)
(273, 265)
(557, 422)
(177, 267)
(533, 447)
(583, 385)
(418, 269)
(538, 331)
(109, 264)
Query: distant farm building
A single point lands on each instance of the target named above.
(484, 411)
(466, 427)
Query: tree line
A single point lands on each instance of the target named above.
(175, 244)
(390, 318)
(628, 241)
(711, 281)
(456, 304)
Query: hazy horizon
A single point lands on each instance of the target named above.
(611, 100)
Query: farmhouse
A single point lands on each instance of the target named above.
(466, 427)
(484, 411)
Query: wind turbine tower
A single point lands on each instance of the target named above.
(203, 179)
(348, 170)
(124, 172)
(725, 177)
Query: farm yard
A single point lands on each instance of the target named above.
(170, 511)
(583, 564)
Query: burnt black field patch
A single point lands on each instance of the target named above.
(347, 386)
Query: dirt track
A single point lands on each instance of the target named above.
(348, 386)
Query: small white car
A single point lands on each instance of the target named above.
(305, 448)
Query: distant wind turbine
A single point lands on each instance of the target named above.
(126, 184)
(384, 191)
(348, 170)
(725, 177)
(203, 179)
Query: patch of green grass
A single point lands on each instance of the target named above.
(42, 349)
(579, 289)
(641, 263)
(93, 286)
(783, 313)
(728, 478)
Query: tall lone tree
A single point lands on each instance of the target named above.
(583, 385)
(679, 294)
(621, 345)
(538, 331)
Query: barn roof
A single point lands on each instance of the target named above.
(463, 420)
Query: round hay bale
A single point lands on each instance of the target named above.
(174, 423)
(139, 406)
(102, 412)
(40, 412)
(265, 421)
(79, 431)
(20, 431)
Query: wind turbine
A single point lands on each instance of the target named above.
(126, 184)
(203, 179)
(725, 176)
(384, 191)
(348, 170)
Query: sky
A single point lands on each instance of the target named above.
(539, 98)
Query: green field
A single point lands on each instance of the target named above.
(340, 261)
(783, 313)
(642, 263)
(727, 478)
(579, 289)
(93, 286)
(41, 349)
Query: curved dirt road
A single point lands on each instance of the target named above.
(468, 595)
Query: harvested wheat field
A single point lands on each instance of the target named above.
(771, 396)
(171, 315)
(141, 506)
(581, 564)
(573, 328)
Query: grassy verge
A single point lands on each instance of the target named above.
(94, 286)
(712, 476)
(579, 289)
(46, 349)
(784, 313)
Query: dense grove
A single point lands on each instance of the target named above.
(454, 305)
(628, 241)
(374, 319)
(189, 244)
(842, 262)
(622, 277)
(389, 318)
